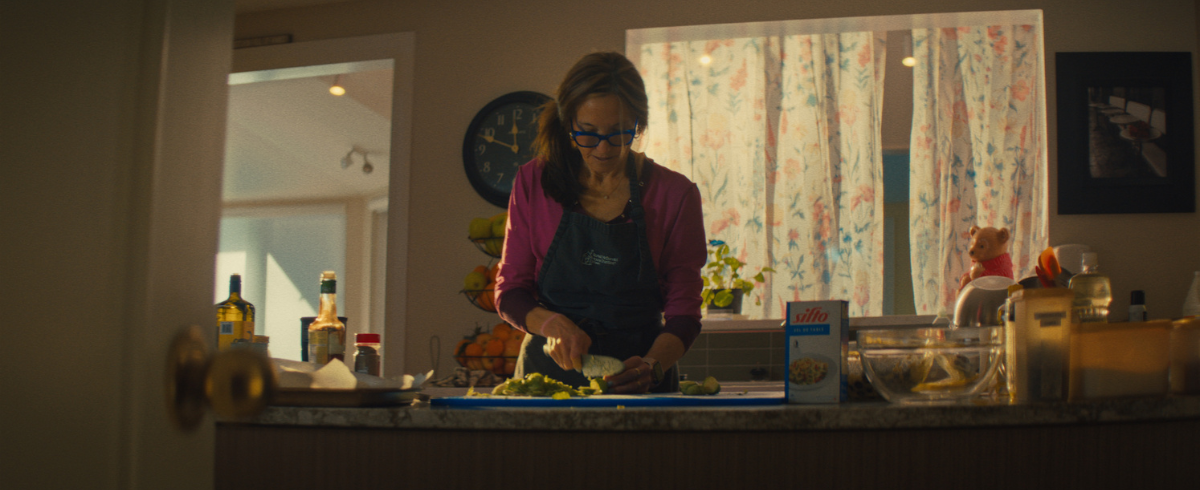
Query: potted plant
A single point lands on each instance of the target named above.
(723, 283)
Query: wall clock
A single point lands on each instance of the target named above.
(498, 141)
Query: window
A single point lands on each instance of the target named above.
(780, 124)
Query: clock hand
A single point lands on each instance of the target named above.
(490, 139)
(514, 133)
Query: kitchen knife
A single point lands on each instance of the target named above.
(600, 366)
(596, 366)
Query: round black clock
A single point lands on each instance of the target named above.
(498, 141)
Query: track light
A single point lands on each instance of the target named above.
(348, 160)
(337, 88)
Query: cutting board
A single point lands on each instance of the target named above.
(753, 398)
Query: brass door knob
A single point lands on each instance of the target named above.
(236, 383)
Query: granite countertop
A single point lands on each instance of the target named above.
(847, 416)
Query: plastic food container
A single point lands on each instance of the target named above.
(1120, 359)
(1038, 344)
(1185, 356)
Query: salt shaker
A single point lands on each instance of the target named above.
(367, 359)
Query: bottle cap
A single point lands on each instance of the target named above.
(1089, 260)
(366, 338)
(1137, 297)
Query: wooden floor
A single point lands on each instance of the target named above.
(1159, 455)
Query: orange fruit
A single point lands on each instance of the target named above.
(512, 347)
(498, 366)
(482, 269)
(483, 338)
(459, 352)
(494, 348)
(492, 272)
(487, 299)
(502, 331)
(510, 366)
(473, 353)
(518, 334)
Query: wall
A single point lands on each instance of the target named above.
(470, 52)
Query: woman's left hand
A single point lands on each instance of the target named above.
(636, 378)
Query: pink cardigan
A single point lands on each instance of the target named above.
(674, 230)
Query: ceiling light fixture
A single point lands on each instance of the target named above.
(908, 60)
(348, 160)
(337, 88)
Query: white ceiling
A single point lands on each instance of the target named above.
(286, 136)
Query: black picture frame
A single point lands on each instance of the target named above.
(1110, 159)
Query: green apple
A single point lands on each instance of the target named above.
(475, 281)
(498, 222)
(480, 228)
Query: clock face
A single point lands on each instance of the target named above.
(498, 141)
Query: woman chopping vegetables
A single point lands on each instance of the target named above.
(604, 247)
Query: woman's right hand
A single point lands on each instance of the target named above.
(566, 343)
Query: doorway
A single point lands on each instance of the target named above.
(311, 183)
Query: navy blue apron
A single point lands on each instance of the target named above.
(602, 277)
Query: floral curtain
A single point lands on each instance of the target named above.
(782, 135)
(977, 155)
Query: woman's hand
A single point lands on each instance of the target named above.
(565, 342)
(636, 378)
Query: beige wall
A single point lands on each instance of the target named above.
(471, 52)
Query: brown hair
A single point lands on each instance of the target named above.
(594, 74)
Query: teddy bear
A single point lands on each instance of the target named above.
(989, 255)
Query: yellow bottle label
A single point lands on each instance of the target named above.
(228, 332)
(318, 346)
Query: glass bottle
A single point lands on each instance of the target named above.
(1137, 306)
(327, 334)
(1191, 304)
(1093, 292)
(235, 316)
(367, 359)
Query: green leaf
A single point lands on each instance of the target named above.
(724, 298)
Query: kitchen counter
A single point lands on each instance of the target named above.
(784, 417)
(1138, 443)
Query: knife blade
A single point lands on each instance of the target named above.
(596, 366)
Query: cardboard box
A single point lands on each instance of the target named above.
(818, 338)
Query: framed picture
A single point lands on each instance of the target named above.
(1125, 133)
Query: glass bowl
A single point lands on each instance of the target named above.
(930, 365)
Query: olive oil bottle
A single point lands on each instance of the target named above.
(235, 316)
(327, 334)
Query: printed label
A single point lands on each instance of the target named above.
(226, 328)
(593, 258)
(1049, 319)
(318, 347)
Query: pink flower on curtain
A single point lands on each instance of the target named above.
(862, 290)
(1000, 45)
(954, 205)
(1020, 90)
(711, 46)
(866, 193)
(993, 31)
(791, 167)
(730, 217)
(739, 79)
(950, 33)
(846, 114)
(864, 56)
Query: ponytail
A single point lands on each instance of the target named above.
(560, 174)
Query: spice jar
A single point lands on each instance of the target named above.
(367, 359)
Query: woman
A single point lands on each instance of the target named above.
(602, 244)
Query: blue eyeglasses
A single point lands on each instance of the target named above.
(587, 139)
